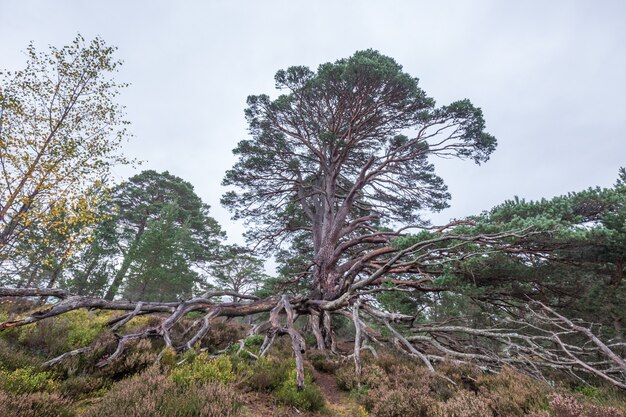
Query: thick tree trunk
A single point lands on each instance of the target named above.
(315, 320)
(329, 335)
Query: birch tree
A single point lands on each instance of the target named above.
(61, 129)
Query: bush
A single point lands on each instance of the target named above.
(603, 411)
(398, 402)
(222, 334)
(463, 404)
(12, 358)
(568, 406)
(588, 391)
(511, 393)
(279, 376)
(81, 386)
(309, 399)
(168, 357)
(266, 374)
(416, 376)
(57, 335)
(139, 323)
(82, 327)
(464, 375)
(151, 394)
(387, 361)
(25, 380)
(372, 376)
(204, 369)
(323, 362)
(254, 341)
(34, 405)
(137, 357)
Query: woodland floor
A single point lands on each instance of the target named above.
(235, 385)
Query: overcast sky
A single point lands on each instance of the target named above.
(550, 77)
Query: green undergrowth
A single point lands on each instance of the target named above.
(148, 380)
(151, 381)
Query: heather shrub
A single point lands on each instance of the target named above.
(81, 386)
(137, 357)
(387, 361)
(346, 410)
(85, 363)
(604, 395)
(603, 411)
(404, 371)
(346, 378)
(464, 375)
(415, 376)
(568, 406)
(463, 404)
(308, 399)
(565, 406)
(372, 376)
(34, 405)
(42, 336)
(281, 348)
(206, 400)
(12, 358)
(25, 380)
(140, 395)
(12, 307)
(204, 369)
(398, 401)
(151, 394)
(511, 393)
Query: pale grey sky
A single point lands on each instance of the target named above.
(550, 77)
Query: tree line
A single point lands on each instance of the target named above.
(154, 240)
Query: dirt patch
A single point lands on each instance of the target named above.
(328, 386)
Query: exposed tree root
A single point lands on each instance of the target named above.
(544, 339)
